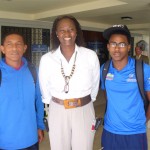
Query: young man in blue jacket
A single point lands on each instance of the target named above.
(125, 118)
(21, 108)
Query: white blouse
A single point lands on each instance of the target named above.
(84, 81)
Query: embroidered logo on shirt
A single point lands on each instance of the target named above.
(109, 76)
(131, 78)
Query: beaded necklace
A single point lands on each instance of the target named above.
(67, 78)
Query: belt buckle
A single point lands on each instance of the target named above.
(72, 103)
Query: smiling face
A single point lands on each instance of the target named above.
(138, 51)
(13, 48)
(66, 32)
(118, 53)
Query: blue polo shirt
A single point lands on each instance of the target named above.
(125, 108)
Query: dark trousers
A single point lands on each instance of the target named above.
(112, 141)
(33, 147)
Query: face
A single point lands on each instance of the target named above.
(66, 32)
(138, 51)
(118, 47)
(13, 48)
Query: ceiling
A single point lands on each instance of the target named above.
(98, 14)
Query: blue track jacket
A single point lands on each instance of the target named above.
(21, 108)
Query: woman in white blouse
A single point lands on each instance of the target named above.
(69, 81)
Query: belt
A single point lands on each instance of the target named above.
(73, 102)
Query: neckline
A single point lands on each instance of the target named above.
(67, 78)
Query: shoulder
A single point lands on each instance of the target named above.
(131, 62)
(102, 67)
(48, 56)
(146, 72)
(134, 56)
(146, 68)
(87, 52)
(106, 65)
(1, 63)
(143, 56)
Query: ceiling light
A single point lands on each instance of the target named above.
(126, 18)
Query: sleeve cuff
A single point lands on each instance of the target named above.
(46, 100)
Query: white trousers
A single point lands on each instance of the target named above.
(71, 129)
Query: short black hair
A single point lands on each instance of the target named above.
(10, 33)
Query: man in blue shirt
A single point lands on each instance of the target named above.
(21, 108)
(125, 120)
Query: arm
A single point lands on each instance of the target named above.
(148, 110)
(44, 81)
(39, 113)
(147, 88)
(96, 79)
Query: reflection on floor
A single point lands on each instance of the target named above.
(99, 110)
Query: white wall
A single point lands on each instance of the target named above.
(138, 35)
(22, 23)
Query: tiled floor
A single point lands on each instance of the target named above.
(99, 110)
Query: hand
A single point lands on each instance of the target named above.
(40, 135)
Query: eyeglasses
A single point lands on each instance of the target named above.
(120, 45)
